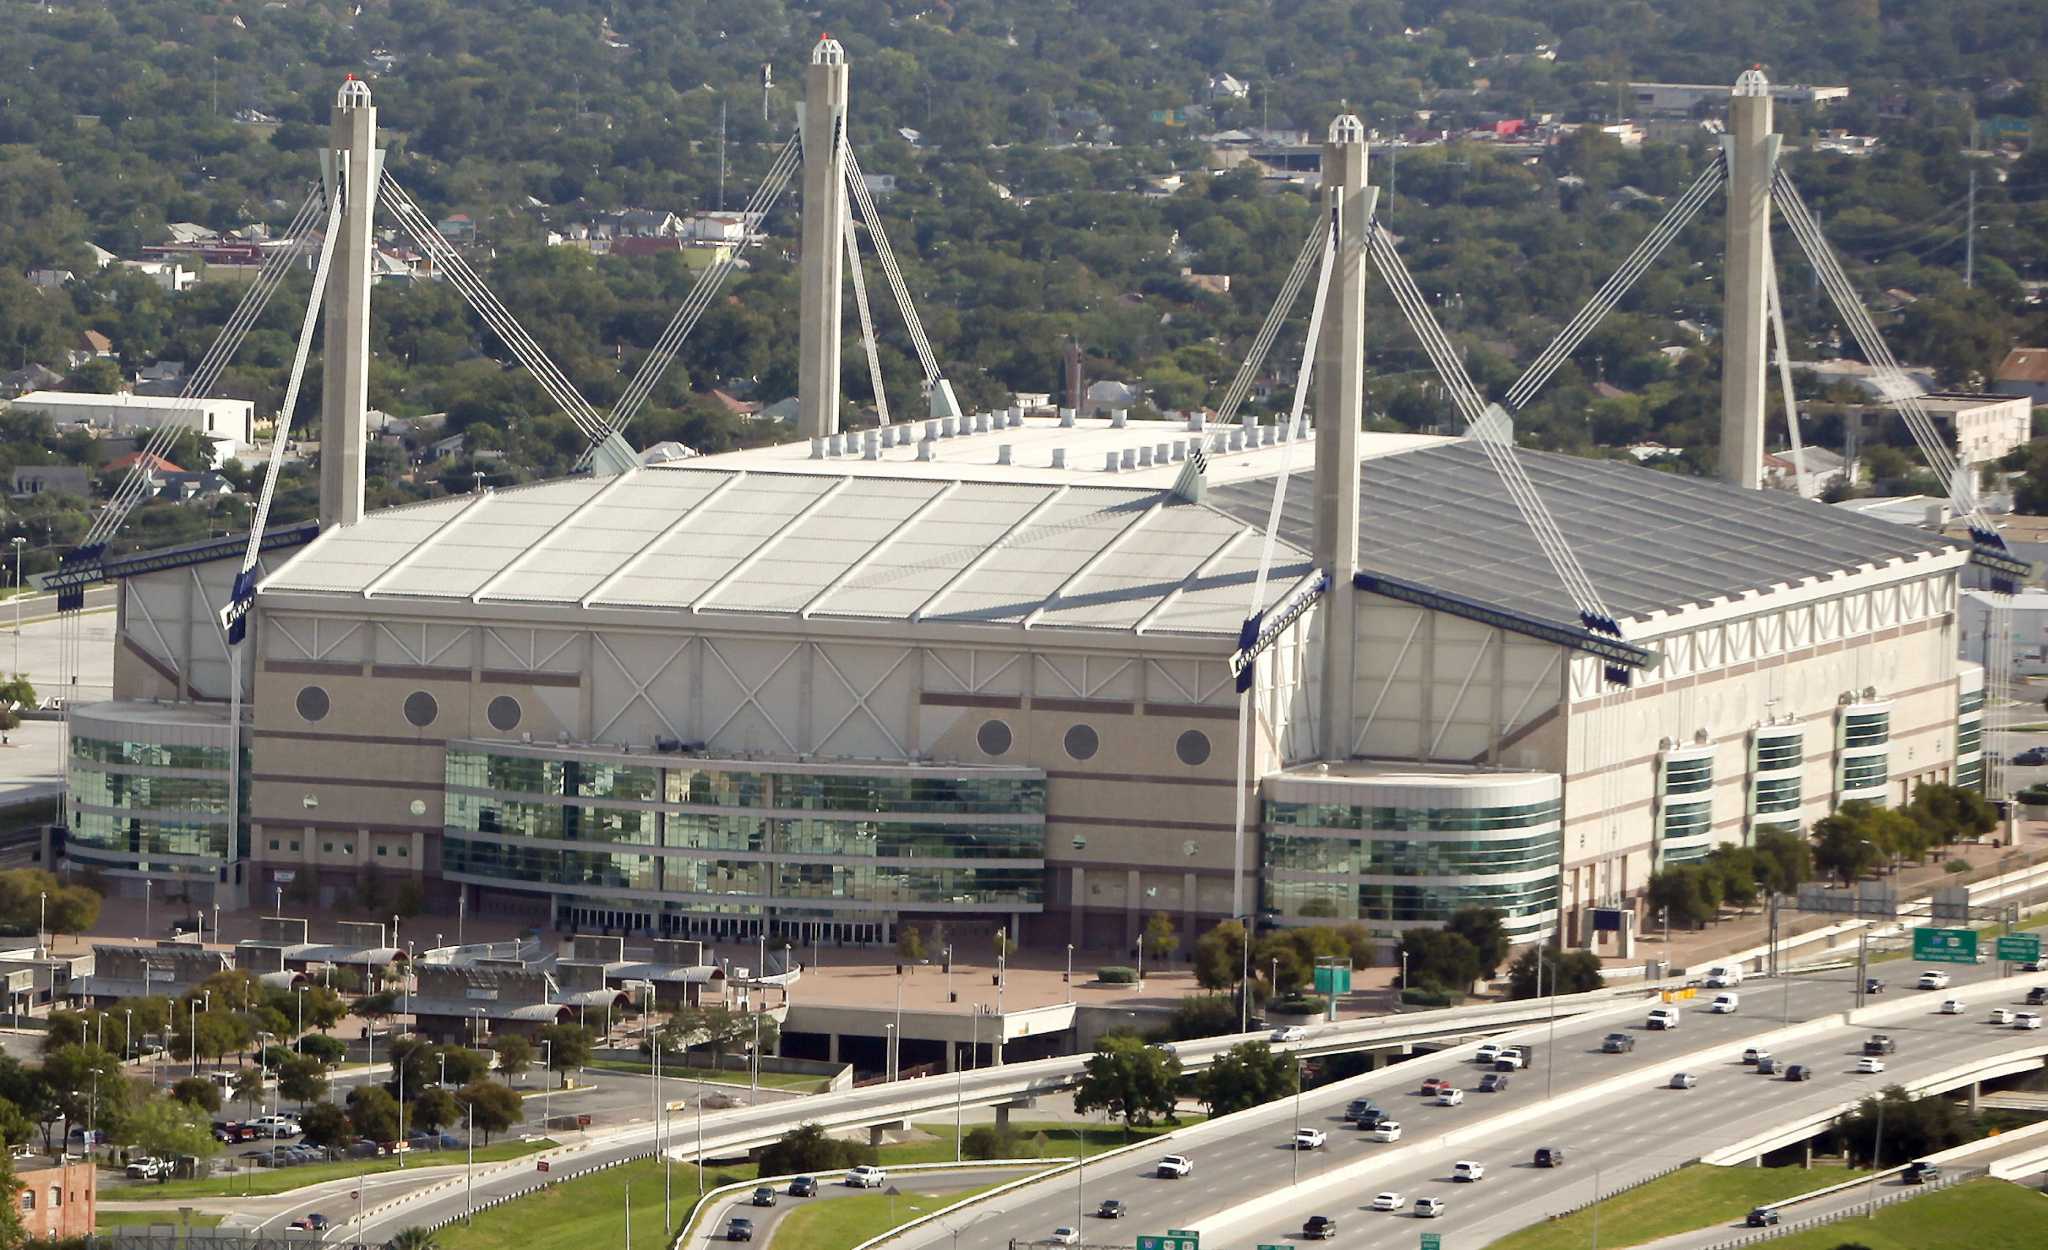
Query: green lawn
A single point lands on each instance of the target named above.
(584, 1213)
(769, 1080)
(135, 1219)
(845, 1222)
(279, 1180)
(1690, 1198)
(1978, 1215)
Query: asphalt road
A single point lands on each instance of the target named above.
(712, 1229)
(1622, 1138)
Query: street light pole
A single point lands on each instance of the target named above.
(17, 603)
(469, 1170)
(1070, 972)
(1244, 982)
(547, 1085)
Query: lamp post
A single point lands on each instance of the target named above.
(1404, 980)
(469, 1169)
(959, 1083)
(1070, 972)
(299, 991)
(754, 1078)
(888, 1052)
(127, 1029)
(18, 542)
(548, 1086)
(148, 885)
(1244, 982)
(1297, 1117)
(42, 918)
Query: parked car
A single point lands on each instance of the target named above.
(146, 1168)
(739, 1228)
(804, 1187)
(1683, 1080)
(1176, 1167)
(1111, 1209)
(1468, 1170)
(1428, 1208)
(2032, 757)
(1618, 1043)
(1762, 1217)
(763, 1197)
(866, 1176)
(1493, 1083)
(1550, 1156)
(1319, 1227)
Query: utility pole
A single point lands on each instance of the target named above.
(721, 154)
(1970, 235)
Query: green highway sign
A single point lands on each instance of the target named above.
(1175, 1239)
(2019, 948)
(1945, 946)
(1333, 979)
(1431, 1241)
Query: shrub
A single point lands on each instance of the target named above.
(988, 1142)
(1427, 996)
(1117, 975)
(1300, 1005)
(1958, 865)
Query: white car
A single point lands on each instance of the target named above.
(1683, 1080)
(1510, 1058)
(1755, 1054)
(1428, 1208)
(1868, 1064)
(866, 1176)
(1065, 1236)
(2027, 1020)
(1725, 1004)
(1952, 1006)
(1310, 1139)
(1387, 1130)
(1467, 1170)
(1176, 1166)
(2000, 1016)
(1292, 1033)
(1488, 1053)
(1664, 1018)
(1933, 981)
(275, 1126)
(1389, 1201)
(1453, 1097)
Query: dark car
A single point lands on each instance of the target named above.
(1762, 1217)
(1550, 1156)
(1871, 985)
(314, 1223)
(803, 1187)
(739, 1228)
(1767, 1066)
(1322, 1227)
(1493, 1083)
(1617, 1043)
(2038, 996)
(1880, 1044)
(1798, 1071)
(1920, 1173)
(1111, 1209)
(1372, 1119)
(764, 1197)
(2032, 757)
(1358, 1109)
(1433, 1086)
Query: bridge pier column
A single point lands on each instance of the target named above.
(1002, 1117)
(1976, 1095)
(1806, 1154)
(832, 1047)
(875, 1131)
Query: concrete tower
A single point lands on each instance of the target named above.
(824, 256)
(1752, 154)
(1340, 410)
(352, 165)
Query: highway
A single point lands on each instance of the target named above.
(1239, 1194)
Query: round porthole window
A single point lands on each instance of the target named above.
(993, 738)
(1192, 748)
(418, 807)
(312, 703)
(420, 709)
(1082, 743)
(503, 713)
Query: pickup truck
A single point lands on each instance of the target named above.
(1880, 1044)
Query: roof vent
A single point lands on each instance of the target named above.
(1699, 737)
(1196, 420)
(1144, 457)
(1130, 458)
(1666, 744)
(1059, 457)
(924, 450)
(1237, 439)
(1870, 694)
(1016, 418)
(817, 448)
(946, 427)
(1269, 434)
(931, 430)
(1118, 418)
(1162, 453)
(1066, 418)
(1003, 454)
(871, 447)
(1109, 462)
(1179, 450)
(834, 445)
(1219, 441)
(981, 423)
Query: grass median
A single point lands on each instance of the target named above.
(105, 1221)
(797, 1081)
(1976, 1215)
(1692, 1197)
(283, 1180)
(842, 1223)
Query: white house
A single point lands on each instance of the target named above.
(226, 421)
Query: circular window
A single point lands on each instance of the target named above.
(419, 807)
(1192, 748)
(993, 738)
(420, 708)
(312, 703)
(503, 713)
(1082, 742)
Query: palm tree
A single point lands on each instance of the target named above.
(415, 1238)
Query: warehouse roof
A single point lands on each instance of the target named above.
(705, 538)
(1650, 541)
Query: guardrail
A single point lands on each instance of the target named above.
(1862, 1208)
(712, 1196)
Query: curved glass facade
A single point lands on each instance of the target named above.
(1685, 806)
(1969, 769)
(1864, 735)
(1388, 857)
(745, 837)
(149, 789)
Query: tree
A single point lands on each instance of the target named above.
(302, 1080)
(1842, 846)
(72, 909)
(1129, 1080)
(1686, 894)
(807, 1148)
(328, 1050)
(986, 1141)
(1573, 972)
(1913, 1127)
(515, 1055)
(490, 1107)
(1949, 814)
(1246, 1075)
(373, 1113)
(1486, 930)
(415, 1238)
(249, 1086)
(1784, 861)
(910, 945)
(66, 1028)
(170, 1127)
(569, 1047)
(1220, 956)
(379, 1006)
(1439, 959)
(463, 1064)
(15, 1127)
(324, 1007)
(197, 1091)
(1161, 938)
(1738, 870)
(86, 1084)
(325, 1124)
(1204, 1015)
(434, 1110)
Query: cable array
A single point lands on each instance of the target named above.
(494, 313)
(1617, 285)
(1293, 430)
(867, 319)
(1777, 311)
(1248, 372)
(706, 289)
(135, 487)
(1488, 427)
(926, 358)
(261, 518)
